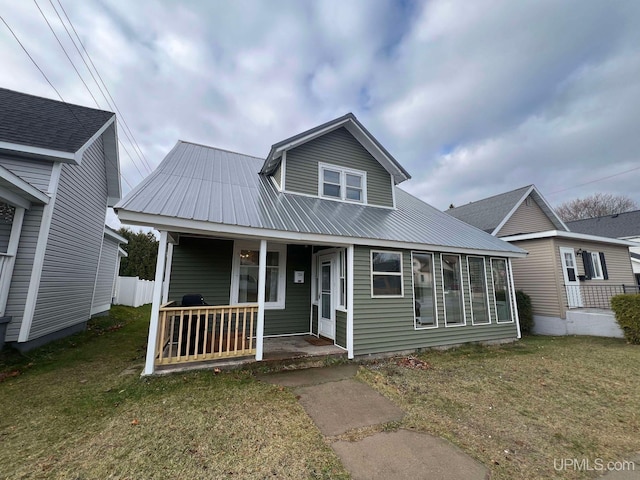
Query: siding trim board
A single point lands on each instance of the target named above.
(39, 258)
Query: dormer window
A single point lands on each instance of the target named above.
(341, 183)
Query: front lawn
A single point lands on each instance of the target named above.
(79, 409)
(517, 408)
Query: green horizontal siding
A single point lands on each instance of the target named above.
(295, 316)
(202, 265)
(314, 319)
(387, 324)
(341, 328)
(342, 149)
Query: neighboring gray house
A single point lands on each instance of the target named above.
(624, 226)
(59, 172)
(569, 276)
(315, 240)
(108, 269)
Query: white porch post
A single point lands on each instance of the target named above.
(10, 260)
(349, 273)
(167, 274)
(149, 366)
(262, 281)
(513, 297)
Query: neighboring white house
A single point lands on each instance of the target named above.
(59, 172)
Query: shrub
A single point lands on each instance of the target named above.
(627, 310)
(525, 312)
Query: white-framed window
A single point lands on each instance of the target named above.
(478, 291)
(597, 266)
(342, 183)
(501, 290)
(244, 274)
(342, 279)
(386, 274)
(453, 290)
(424, 290)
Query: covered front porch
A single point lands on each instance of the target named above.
(221, 299)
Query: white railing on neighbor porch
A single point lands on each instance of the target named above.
(133, 292)
(193, 334)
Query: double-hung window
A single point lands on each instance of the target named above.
(386, 274)
(342, 183)
(245, 268)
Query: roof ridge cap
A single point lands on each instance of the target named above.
(221, 149)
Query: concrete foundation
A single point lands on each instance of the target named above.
(579, 321)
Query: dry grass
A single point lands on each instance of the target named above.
(79, 410)
(518, 407)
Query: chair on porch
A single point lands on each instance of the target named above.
(194, 332)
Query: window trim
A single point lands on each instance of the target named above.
(486, 290)
(509, 287)
(343, 171)
(435, 293)
(341, 268)
(401, 274)
(279, 248)
(595, 260)
(444, 302)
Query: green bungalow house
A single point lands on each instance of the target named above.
(316, 240)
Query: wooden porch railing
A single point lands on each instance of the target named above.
(193, 334)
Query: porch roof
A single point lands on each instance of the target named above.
(205, 184)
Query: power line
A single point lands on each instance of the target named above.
(65, 52)
(594, 181)
(121, 116)
(49, 82)
(31, 58)
(85, 84)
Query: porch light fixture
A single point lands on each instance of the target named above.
(579, 252)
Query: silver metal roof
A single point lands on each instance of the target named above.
(196, 182)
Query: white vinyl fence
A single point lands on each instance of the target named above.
(133, 292)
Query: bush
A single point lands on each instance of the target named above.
(525, 312)
(627, 310)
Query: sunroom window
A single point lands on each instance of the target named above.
(453, 290)
(501, 291)
(424, 298)
(342, 183)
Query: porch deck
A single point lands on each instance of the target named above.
(294, 347)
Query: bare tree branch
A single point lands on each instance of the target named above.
(596, 205)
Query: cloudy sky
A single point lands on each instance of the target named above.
(472, 98)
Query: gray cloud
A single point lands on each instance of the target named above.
(473, 98)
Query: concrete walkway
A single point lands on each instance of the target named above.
(339, 405)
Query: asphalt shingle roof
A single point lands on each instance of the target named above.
(196, 182)
(621, 225)
(45, 123)
(486, 214)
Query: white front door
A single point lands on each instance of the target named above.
(570, 273)
(326, 310)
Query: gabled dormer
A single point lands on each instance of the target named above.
(339, 160)
(519, 211)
